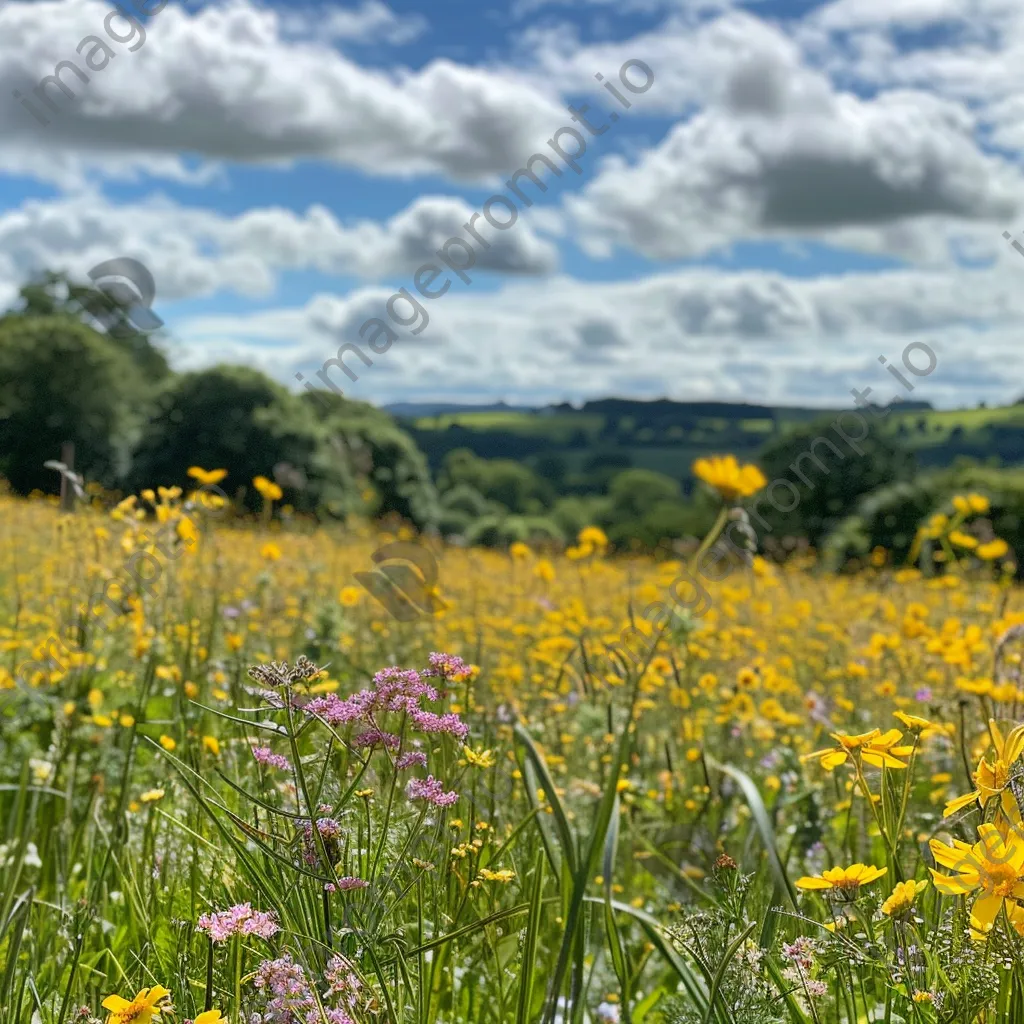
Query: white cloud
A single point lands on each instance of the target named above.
(192, 251)
(781, 154)
(223, 84)
(371, 21)
(689, 334)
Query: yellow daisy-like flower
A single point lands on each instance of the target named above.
(479, 759)
(992, 550)
(544, 570)
(992, 777)
(844, 879)
(883, 750)
(211, 1017)
(348, 597)
(993, 867)
(212, 745)
(140, 1010)
(902, 897)
(269, 490)
(270, 551)
(914, 723)
(504, 875)
(963, 540)
(728, 477)
(592, 536)
(151, 795)
(207, 477)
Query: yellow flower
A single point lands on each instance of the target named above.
(519, 550)
(978, 502)
(348, 597)
(544, 570)
(992, 550)
(151, 795)
(167, 743)
(187, 531)
(993, 867)
(844, 879)
(504, 875)
(992, 777)
(270, 551)
(728, 477)
(963, 540)
(269, 490)
(875, 748)
(902, 897)
(479, 759)
(210, 1017)
(592, 536)
(211, 744)
(207, 477)
(914, 723)
(140, 1010)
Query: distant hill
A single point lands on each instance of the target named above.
(667, 436)
(415, 409)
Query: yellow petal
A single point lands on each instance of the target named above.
(960, 802)
(986, 908)
(880, 759)
(812, 883)
(952, 885)
(1014, 745)
(115, 1004)
(833, 759)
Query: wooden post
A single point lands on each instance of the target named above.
(67, 492)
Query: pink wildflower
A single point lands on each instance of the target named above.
(414, 757)
(431, 790)
(240, 919)
(266, 756)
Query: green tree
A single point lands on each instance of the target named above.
(235, 418)
(62, 381)
(381, 453)
(510, 483)
(55, 294)
(827, 475)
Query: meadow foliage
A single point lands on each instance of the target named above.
(235, 789)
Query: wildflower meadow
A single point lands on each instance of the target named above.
(234, 788)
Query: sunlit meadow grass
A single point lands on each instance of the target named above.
(553, 834)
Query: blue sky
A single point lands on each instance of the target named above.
(803, 187)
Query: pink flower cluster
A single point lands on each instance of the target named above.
(395, 690)
(376, 738)
(291, 996)
(447, 666)
(413, 757)
(330, 832)
(346, 883)
(266, 756)
(238, 920)
(431, 790)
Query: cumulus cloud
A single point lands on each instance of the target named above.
(193, 251)
(224, 84)
(370, 22)
(688, 334)
(781, 154)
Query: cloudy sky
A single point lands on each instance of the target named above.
(803, 188)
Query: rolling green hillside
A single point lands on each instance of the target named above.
(667, 436)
